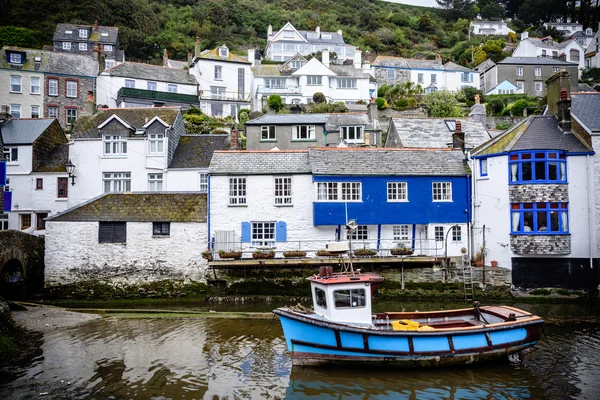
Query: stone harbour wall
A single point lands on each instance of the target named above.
(73, 254)
(541, 244)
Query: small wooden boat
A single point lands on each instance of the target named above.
(342, 330)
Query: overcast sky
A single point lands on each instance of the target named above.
(424, 3)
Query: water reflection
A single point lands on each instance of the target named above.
(220, 359)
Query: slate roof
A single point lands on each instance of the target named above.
(55, 160)
(336, 38)
(381, 161)
(586, 108)
(538, 132)
(415, 63)
(87, 126)
(139, 207)
(151, 72)
(335, 120)
(349, 70)
(289, 119)
(535, 61)
(270, 70)
(195, 151)
(433, 133)
(24, 131)
(58, 63)
(267, 162)
(60, 35)
(214, 55)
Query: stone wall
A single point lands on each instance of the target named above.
(85, 86)
(541, 244)
(538, 193)
(73, 254)
(17, 247)
(402, 76)
(497, 276)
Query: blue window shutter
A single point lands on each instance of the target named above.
(2, 173)
(280, 232)
(245, 232)
(7, 201)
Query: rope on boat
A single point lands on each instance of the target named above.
(561, 356)
(299, 308)
(255, 346)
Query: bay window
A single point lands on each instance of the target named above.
(538, 167)
(539, 218)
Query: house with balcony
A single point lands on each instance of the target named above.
(298, 79)
(300, 131)
(41, 84)
(302, 199)
(82, 39)
(486, 27)
(225, 81)
(431, 75)
(123, 150)
(37, 183)
(532, 196)
(569, 50)
(288, 41)
(566, 28)
(132, 84)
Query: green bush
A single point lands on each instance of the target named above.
(243, 110)
(467, 95)
(494, 107)
(275, 102)
(563, 292)
(502, 127)
(518, 106)
(442, 104)
(591, 74)
(540, 292)
(194, 111)
(402, 104)
(411, 103)
(255, 114)
(219, 132)
(319, 98)
(382, 103)
(322, 108)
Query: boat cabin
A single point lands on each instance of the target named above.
(344, 297)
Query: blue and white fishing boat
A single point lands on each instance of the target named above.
(341, 329)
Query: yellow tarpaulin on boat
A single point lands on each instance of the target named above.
(408, 325)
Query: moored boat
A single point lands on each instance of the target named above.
(341, 329)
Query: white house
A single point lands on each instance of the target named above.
(288, 41)
(297, 80)
(128, 238)
(485, 27)
(36, 152)
(570, 50)
(225, 81)
(132, 84)
(567, 28)
(584, 37)
(431, 75)
(123, 150)
(504, 87)
(592, 53)
(531, 200)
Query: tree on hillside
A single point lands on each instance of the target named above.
(491, 9)
(442, 104)
(455, 9)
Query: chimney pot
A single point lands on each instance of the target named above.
(234, 136)
(477, 99)
(458, 126)
(95, 26)
(165, 58)
(325, 57)
(563, 94)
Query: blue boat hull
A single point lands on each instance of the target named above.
(313, 341)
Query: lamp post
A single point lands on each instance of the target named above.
(70, 168)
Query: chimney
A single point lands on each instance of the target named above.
(564, 111)
(95, 29)
(438, 57)
(325, 57)
(96, 52)
(252, 56)
(458, 137)
(269, 31)
(234, 137)
(372, 112)
(477, 100)
(197, 48)
(557, 82)
(165, 58)
(318, 30)
(524, 35)
(366, 67)
(358, 59)
(339, 32)
(367, 138)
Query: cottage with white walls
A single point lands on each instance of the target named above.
(569, 50)
(531, 198)
(123, 150)
(485, 27)
(37, 184)
(431, 75)
(288, 41)
(225, 81)
(592, 53)
(128, 238)
(130, 84)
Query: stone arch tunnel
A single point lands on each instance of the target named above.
(21, 264)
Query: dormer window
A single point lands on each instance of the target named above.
(296, 64)
(326, 36)
(312, 35)
(68, 32)
(15, 58)
(589, 32)
(223, 52)
(288, 34)
(83, 33)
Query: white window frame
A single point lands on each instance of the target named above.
(356, 131)
(52, 87)
(314, 80)
(70, 115)
(537, 71)
(16, 84)
(130, 83)
(116, 182)
(218, 73)
(34, 110)
(155, 182)
(438, 233)
(66, 45)
(15, 58)
(288, 34)
(275, 83)
(116, 145)
(283, 191)
(35, 87)
(52, 112)
(11, 155)
(150, 85)
(262, 234)
(82, 46)
(172, 88)
(441, 191)
(83, 33)
(267, 133)
(203, 182)
(156, 143)
(538, 86)
(346, 83)
(339, 191)
(390, 73)
(457, 233)
(400, 233)
(397, 192)
(327, 191)
(520, 86)
(360, 233)
(13, 111)
(519, 71)
(351, 191)
(434, 79)
(109, 64)
(3, 221)
(303, 130)
(71, 89)
(237, 191)
(108, 47)
(420, 78)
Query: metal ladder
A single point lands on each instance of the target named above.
(467, 278)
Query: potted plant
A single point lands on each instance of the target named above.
(323, 253)
(263, 255)
(207, 255)
(236, 255)
(364, 252)
(401, 251)
(494, 263)
(294, 254)
(479, 257)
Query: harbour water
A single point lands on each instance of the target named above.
(154, 358)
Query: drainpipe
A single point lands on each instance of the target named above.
(591, 217)
(324, 138)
